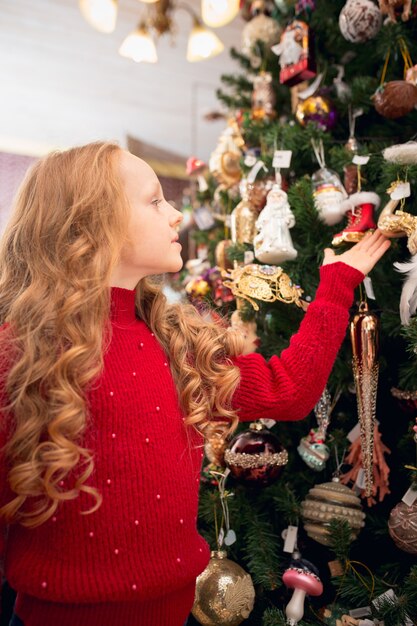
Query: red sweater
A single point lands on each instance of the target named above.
(135, 560)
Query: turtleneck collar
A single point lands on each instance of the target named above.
(123, 307)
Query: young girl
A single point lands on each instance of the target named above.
(106, 392)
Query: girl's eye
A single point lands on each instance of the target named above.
(156, 201)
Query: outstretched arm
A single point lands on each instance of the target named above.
(288, 387)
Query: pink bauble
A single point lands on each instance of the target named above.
(402, 526)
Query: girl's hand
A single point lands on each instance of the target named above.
(363, 255)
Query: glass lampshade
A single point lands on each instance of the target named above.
(139, 46)
(100, 14)
(217, 13)
(202, 44)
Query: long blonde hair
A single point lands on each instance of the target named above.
(56, 259)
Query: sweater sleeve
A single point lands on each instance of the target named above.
(286, 388)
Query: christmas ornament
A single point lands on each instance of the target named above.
(243, 218)
(256, 456)
(295, 51)
(328, 191)
(215, 442)
(393, 7)
(359, 209)
(411, 75)
(305, 6)
(304, 581)
(247, 330)
(318, 110)
(395, 99)
(220, 254)
(352, 144)
(312, 448)
(224, 594)
(262, 282)
(262, 28)
(273, 243)
(380, 486)
(364, 335)
(257, 192)
(224, 163)
(402, 526)
(263, 97)
(331, 501)
(360, 20)
(402, 153)
(195, 167)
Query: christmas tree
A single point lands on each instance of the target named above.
(319, 149)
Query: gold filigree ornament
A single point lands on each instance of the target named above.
(262, 282)
(399, 223)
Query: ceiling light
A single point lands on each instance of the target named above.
(100, 14)
(139, 46)
(202, 43)
(217, 13)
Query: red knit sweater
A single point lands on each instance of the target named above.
(135, 560)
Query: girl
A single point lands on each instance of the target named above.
(106, 392)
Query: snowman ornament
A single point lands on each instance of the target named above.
(273, 243)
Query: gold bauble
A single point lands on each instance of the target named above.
(402, 526)
(316, 109)
(224, 594)
(331, 501)
(243, 222)
(220, 255)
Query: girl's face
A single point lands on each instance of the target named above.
(152, 246)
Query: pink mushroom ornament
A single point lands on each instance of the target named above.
(303, 581)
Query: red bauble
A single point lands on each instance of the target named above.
(255, 456)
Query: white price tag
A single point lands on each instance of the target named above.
(360, 160)
(290, 539)
(250, 160)
(282, 158)
(360, 479)
(230, 537)
(402, 190)
(202, 184)
(267, 423)
(388, 595)
(410, 497)
(248, 257)
(354, 433)
(361, 611)
(367, 283)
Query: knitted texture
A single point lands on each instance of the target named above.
(134, 561)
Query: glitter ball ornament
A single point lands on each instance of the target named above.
(316, 109)
(360, 20)
(260, 28)
(402, 526)
(395, 99)
(331, 501)
(224, 594)
(255, 456)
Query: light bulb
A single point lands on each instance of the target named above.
(139, 46)
(100, 14)
(217, 13)
(202, 44)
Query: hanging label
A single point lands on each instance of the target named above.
(267, 423)
(230, 537)
(410, 497)
(203, 217)
(290, 539)
(360, 160)
(388, 595)
(367, 283)
(282, 158)
(360, 479)
(354, 433)
(402, 190)
(362, 611)
(250, 160)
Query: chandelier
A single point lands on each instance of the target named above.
(139, 45)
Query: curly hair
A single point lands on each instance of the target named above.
(57, 255)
